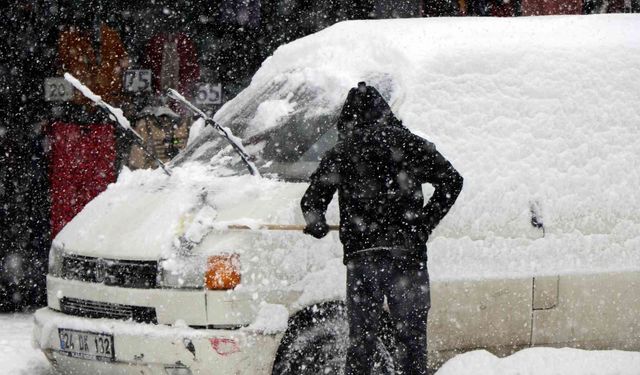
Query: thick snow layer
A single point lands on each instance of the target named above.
(532, 111)
(195, 130)
(17, 356)
(50, 324)
(538, 114)
(545, 361)
(270, 112)
(146, 213)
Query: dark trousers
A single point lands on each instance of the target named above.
(369, 281)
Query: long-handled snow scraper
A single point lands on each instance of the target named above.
(234, 141)
(295, 227)
(116, 115)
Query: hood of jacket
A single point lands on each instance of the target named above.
(364, 110)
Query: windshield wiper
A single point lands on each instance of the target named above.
(116, 115)
(235, 142)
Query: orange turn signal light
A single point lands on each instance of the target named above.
(223, 272)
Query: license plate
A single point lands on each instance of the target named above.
(86, 345)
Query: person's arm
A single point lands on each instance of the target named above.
(137, 157)
(322, 185)
(448, 184)
(432, 167)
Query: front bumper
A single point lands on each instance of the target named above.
(151, 349)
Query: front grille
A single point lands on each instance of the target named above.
(122, 273)
(93, 309)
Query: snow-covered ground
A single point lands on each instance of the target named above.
(545, 361)
(18, 357)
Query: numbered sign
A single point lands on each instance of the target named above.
(137, 80)
(209, 94)
(57, 89)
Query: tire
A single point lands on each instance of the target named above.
(316, 343)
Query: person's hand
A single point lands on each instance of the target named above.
(318, 229)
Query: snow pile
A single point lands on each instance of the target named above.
(139, 217)
(270, 114)
(271, 319)
(328, 283)
(532, 111)
(545, 361)
(146, 213)
(195, 130)
(50, 324)
(17, 357)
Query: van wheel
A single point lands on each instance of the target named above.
(317, 340)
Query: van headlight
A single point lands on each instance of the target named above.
(217, 272)
(56, 257)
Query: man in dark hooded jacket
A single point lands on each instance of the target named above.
(378, 167)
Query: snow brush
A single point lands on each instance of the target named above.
(116, 115)
(295, 227)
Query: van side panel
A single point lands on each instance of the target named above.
(596, 311)
(473, 314)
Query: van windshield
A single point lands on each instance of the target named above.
(289, 151)
(286, 126)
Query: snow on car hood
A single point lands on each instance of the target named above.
(146, 213)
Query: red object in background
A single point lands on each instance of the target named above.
(81, 165)
(187, 67)
(550, 7)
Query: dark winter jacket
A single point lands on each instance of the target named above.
(378, 168)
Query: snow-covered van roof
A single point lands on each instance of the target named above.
(541, 116)
(533, 110)
(537, 113)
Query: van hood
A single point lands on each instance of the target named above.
(148, 215)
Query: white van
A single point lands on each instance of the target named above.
(540, 115)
